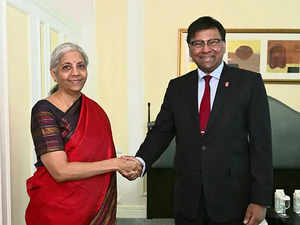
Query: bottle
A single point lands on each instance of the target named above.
(285, 204)
(279, 194)
(296, 202)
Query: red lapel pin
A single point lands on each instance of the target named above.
(227, 84)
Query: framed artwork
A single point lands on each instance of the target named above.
(275, 53)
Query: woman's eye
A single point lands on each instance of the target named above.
(66, 67)
(81, 66)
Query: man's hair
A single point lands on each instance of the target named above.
(204, 23)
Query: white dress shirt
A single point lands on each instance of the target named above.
(214, 81)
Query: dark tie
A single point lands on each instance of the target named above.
(205, 106)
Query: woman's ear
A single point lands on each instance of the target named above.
(53, 74)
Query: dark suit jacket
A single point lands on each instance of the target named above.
(232, 163)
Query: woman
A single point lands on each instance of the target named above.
(75, 181)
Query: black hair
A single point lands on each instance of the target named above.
(204, 23)
(53, 89)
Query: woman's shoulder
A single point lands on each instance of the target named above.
(41, 105)
(90, 102)
(44, 105)
(93, 104)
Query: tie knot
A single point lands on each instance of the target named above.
(207, 78)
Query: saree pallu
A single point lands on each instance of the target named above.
(90, 201)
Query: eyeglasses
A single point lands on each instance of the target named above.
(211, 43)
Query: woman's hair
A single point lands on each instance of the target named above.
(61, 49)
(58, 53)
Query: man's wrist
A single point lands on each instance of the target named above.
(143, 165)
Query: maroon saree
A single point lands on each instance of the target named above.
(90, 201)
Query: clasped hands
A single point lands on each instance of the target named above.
(130, 167)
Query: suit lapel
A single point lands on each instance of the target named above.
(220, 96)
(191, 90)
(192, 93)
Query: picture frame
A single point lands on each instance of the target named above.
(275, 53)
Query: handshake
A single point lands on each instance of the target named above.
(129, 167)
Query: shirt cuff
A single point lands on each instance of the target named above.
(143, 164)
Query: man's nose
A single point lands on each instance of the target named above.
(206, 48)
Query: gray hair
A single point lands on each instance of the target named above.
(63, 48)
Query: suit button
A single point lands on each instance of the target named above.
(203, 148)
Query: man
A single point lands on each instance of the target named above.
(219, 116)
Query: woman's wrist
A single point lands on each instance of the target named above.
(116, 164)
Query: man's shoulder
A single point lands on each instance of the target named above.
(229, 68)
(241, 73)
(185, 77)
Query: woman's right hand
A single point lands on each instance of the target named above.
(129, 167)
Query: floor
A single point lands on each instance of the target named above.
(123, 221)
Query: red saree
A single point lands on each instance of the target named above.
(90, 201)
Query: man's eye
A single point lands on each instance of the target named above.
(197, 43)
(213, 42)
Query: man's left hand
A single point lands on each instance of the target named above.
(255, 214)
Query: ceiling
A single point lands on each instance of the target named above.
(75, 11)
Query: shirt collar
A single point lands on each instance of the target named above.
(216, 73)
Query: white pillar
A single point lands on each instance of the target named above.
(136, 107)
(132, 201)
(5, 196)
(35, 69)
